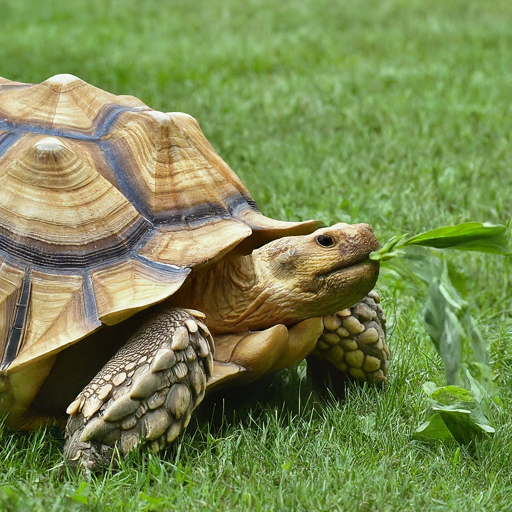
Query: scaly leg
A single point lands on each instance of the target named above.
(354, 344)
(148, 390)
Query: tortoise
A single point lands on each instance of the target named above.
(137, 273)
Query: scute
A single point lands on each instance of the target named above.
(11, 282)
(168, 172)
(58, 316)
(126, 287)
(54, 198)
(60, 103)
(197, 246)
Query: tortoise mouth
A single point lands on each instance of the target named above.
(364, 263)
(357, 260)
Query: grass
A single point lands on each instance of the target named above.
(392, 112)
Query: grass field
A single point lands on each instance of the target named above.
(392, 112)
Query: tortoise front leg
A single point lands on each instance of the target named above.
(353, 345)
(148, 390)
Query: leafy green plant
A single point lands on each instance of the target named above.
(455, 413)
(447, 317)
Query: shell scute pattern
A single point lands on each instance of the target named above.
(104, 205)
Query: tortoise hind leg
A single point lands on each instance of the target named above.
(352, 347)
(147, 391)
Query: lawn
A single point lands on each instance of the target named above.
(392, 112)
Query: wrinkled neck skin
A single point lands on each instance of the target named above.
(231, 293)
(280, 283)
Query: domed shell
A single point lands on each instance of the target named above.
(105, 207)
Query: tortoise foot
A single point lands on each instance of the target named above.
(354, 341)
(146, 392)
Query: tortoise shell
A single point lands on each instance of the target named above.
(105, 207)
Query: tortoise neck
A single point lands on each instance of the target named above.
(228, 292)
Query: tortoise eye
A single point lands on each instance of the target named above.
(325, 241)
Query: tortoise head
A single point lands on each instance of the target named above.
(284, 281)
(317, 274)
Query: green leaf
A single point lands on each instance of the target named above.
(442, 324)
(450, 395)
(434, 429)
(429, 387)
(386, 252)
(81, 494)
(480, 390)
(434, 314)
(465, 425)
(449, 291)
(480, 419)
(475, 340)
(468, 236)
(450, 346)
(448, 321)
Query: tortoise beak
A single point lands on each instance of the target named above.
(358, 242)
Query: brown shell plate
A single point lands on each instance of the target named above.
(105, 206)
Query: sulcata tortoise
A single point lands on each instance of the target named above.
(136, 273)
